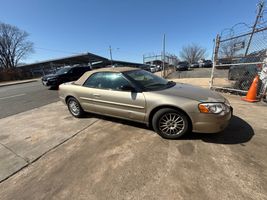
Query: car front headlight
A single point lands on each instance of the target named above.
(214, 108)
(51, 79)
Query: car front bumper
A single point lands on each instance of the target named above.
(49, 83)
(210, 123)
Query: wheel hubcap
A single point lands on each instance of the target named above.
(171, 124)
(74, 107)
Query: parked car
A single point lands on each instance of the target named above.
(238, 72)
(153, 68)
(159, 68)
(182, 66)
(63, 75)
(194, 65)
(207, 64)
(145, 67)
(244, 74)
(172, 109)
(225, 63)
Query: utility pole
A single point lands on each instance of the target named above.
(260, 6)
(163, 64)
(143, 58)
(216, 46)
(110, 53)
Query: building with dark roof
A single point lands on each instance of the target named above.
(85, 59)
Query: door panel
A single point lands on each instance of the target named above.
(124, 104)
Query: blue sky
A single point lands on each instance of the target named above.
(59, 28)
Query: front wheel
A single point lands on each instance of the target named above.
(170, 123)
(74, 107)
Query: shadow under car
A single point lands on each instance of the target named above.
(237, 132)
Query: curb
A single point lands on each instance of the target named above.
(17, 83)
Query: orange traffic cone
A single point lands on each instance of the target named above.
(252, 92)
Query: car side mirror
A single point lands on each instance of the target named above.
(128, 88)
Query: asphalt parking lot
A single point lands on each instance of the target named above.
(48, 154)
(22, 97)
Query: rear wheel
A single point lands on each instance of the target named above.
(74, 107)
(170, 123)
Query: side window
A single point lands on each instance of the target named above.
(82, 70)
(141, 77)
(106, 80)
(116, 81)
(94, 81)
(74, 71)
(70, 71)
(77, 71)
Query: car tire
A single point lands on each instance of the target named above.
(75, 107)
(170, 123)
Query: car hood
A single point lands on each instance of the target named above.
(49, 76)
(192, 92)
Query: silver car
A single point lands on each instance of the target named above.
(172, 109)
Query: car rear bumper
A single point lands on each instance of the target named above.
(210, 123)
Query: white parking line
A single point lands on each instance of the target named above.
(17, 95)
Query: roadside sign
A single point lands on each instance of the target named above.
(239, 45)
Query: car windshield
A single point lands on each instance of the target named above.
(148, 81)
(62, 71)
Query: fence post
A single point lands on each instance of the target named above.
(164, 73)
(214, 59)
(263, 77)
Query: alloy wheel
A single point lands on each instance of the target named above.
(74, 107)
(171, 124)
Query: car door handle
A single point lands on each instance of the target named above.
(96, 95)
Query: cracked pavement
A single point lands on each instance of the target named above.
(48, 154)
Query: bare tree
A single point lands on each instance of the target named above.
(228, 49)
(14, 45)
(192, 53)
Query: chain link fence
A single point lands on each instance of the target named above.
(238, 59)
(166, 64)
(169, 69)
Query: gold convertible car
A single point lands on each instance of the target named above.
(172, 109)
